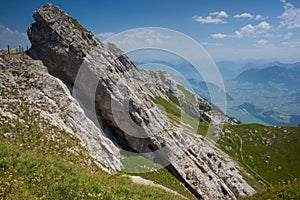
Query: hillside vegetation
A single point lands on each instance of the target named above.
(32, 166)
(269, 153)
(41, 161)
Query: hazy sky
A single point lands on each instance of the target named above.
(227, 29)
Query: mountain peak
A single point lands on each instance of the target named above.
(120, 98)
(59, 41)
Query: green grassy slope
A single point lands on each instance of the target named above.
(41, 161)
(140, 166)
(33, 165)
(270, 154)
(38, 160)
(284, 190)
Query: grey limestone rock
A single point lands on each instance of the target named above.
(115, 94)
(50, 97)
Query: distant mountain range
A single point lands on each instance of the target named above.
(231, 69)
(269, 92)
(288, 76)
(257, 91)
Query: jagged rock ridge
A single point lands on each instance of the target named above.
(66, 48)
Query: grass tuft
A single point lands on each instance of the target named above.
(77, 25)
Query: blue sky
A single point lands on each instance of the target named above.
(227, 29)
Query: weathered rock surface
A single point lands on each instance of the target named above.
(111, 89)
(27, 81)
(191, 103)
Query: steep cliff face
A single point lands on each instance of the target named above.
(115, 95)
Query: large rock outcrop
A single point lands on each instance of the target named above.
(119, 103)
(26, 82)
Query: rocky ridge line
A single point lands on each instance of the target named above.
(64, 46)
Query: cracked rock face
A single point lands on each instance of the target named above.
(120, 104)
(28, 82)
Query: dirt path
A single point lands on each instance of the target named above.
(140, 180)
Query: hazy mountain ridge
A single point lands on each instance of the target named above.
(289, 77)
(270, 87)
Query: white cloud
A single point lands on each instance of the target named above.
(288, 35)
(219, 14)
(140, 37)
(290, 17)
(263, 26)
(262, 42)
(244, 15)
(249, 16)
(211, 44)
(209, 20)
(250, 30)
(294, 44)
(12, 38)
(213, 18)
(105, 35)
(238, 34)
(259, 17)
(219, 35)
